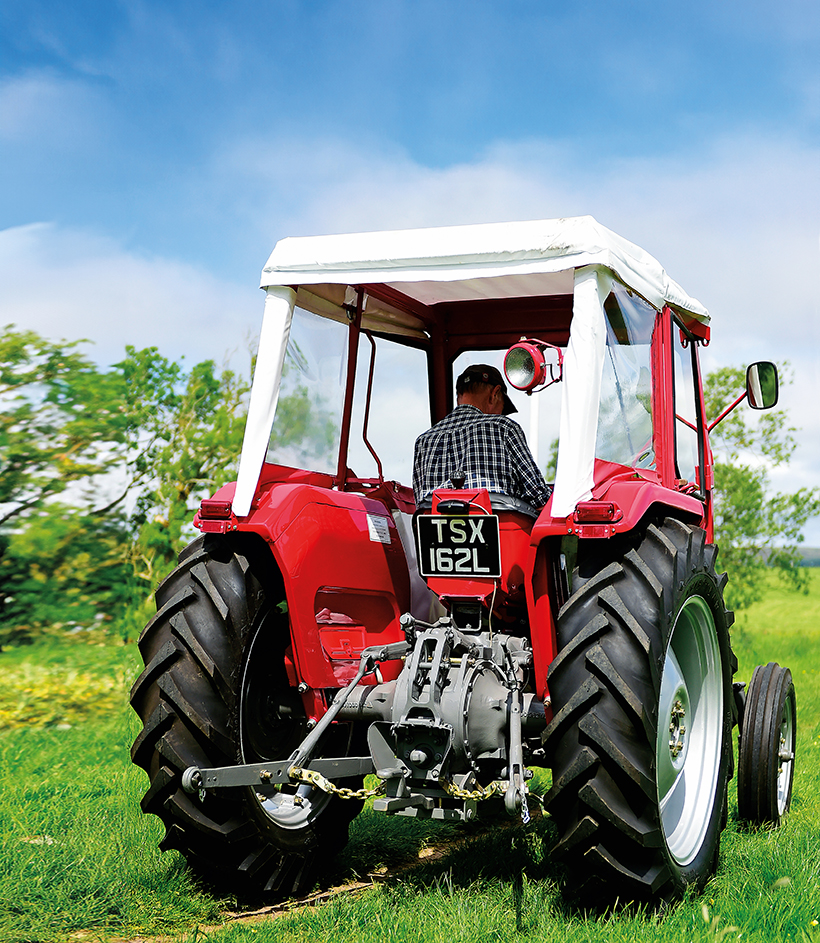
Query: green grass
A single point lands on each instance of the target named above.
(61, 682)
(77, 853)
(79, 860)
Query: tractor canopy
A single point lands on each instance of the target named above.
(452, 289)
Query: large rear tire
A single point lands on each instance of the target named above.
(640, 743)
(215, 691)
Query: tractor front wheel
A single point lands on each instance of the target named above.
(766, 758)
(640, 742)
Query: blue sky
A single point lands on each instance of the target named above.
(152, 153)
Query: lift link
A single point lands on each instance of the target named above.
(370, 658)
(194, 779)
(515, 797)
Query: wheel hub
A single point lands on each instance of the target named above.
(677, 729)
(272, 723)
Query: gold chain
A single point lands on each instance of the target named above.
(480, 792)
(321, 782)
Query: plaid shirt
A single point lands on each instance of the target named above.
(490, 450)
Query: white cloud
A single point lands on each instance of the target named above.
(38, 107)
(66, 283)
(738, 226)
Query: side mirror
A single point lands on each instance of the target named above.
(761, 385)
(532, 364)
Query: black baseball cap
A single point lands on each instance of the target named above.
(484, 373)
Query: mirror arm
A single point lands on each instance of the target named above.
(726, 411)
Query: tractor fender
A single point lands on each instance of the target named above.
(634, 499)
(344, 572)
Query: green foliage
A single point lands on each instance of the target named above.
(34, 694)
(755, 528)
(138, 446)
(301, 420)
(307, 423)
(184, 438)
(62, 428)
(66, 567)
(552, 461)
(57, 420)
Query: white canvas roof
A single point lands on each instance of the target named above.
(459, 263)
(575, 256)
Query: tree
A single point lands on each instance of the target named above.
(66, 567)
(307, 422)
(184, 435)
(757, 530)
(60, 427)
(552, 462)
(129, 452)
(57, 420)
(101, 472)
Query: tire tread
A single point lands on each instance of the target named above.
(604, 685)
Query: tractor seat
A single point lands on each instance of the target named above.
(498, 502)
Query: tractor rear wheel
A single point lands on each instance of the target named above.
(766, 757)
(640, 742)
(215, 692)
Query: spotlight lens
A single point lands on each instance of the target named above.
(519, 367)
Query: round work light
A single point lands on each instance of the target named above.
(524, 366)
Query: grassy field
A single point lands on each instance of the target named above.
(80, 861)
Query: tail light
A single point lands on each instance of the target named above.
(589, 512)
(213, 509)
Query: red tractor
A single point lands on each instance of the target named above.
(323, 627)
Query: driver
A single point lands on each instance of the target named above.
(479, 439)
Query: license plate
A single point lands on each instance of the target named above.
(459, 546)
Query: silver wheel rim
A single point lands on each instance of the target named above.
(690, 730)
(290, 805)
(293, 809)
(785, 757)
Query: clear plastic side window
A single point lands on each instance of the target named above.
(686, 416)
(399, 409)
(307, 426)
(625, 415)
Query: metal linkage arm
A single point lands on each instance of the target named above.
(271, 774)
(277, 771)
(370, 658)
